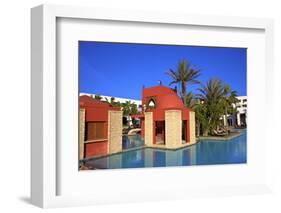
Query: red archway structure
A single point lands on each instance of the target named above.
(164, 99)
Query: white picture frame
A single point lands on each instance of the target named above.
(44, 149)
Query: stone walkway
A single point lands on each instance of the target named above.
(220, 138)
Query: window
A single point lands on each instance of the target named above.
(151, 103)
(95, 131)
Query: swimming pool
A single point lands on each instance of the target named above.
(233, 151)
(132, 141)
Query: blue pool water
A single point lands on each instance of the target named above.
(133, 141)
(233, 151)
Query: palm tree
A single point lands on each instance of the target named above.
(229, 101)
(97, 97)
(201, 120)
(134, 109)
(212, 92)
(184, 75)
(211, 108)
(112, 102)
(129, 108)
(217, 101)
(225, 100)
(190, 100)
(232, 100)
(106, 100)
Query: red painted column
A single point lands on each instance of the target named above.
(154, 132)
(188, 130)
(142, 127)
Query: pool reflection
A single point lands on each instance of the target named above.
(203, 153)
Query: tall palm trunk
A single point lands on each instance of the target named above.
(197, 128)
(206, 132)
(183, 89)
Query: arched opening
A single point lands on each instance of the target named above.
(151, 103)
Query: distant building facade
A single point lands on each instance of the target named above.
(241, 107)
(238, 119)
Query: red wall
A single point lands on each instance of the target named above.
(96, 114)
(142, 127)
(188, 131)
(96, 110)
(95, 149)
(166, 99)
(159, 114)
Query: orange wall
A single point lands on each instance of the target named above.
(96, 114)
(96, 149)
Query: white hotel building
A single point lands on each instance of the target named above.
(240, 118)
(242, 111)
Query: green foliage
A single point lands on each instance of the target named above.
(213, 100)
(216, 99)
(200, 116)
(190, 100)
(184, 74)
(97, 97)
(128, 107)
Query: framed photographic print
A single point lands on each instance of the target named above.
(154, 106)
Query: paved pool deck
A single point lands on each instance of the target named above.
(220, 138)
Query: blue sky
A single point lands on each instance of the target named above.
(120, 69)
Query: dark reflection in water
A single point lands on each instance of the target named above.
(132, 141)
(203, 153)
